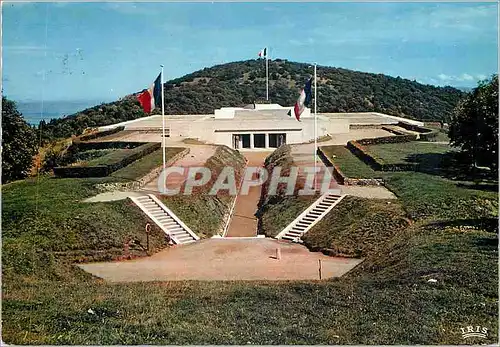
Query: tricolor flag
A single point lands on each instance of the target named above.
(263, 53)
(303, 100)
(151, 98)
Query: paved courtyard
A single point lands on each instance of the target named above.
(225, 259)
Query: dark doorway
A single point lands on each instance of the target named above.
(276, 140)
(245, 140)
(259, 140)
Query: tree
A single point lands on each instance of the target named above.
(18, 143)
(474, 125)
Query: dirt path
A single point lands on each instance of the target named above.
(225, 259)
(243, 221)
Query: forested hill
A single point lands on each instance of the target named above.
(241, 83)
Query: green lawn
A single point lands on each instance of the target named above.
(349, 164)
(146, 164)
(441, 136)
(46, 226)
(430, 154)
(357, 227)
(427, 196)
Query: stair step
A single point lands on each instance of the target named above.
(330, 200)
(181, 235)
(289, 238)
(166, 218)
(157, 211)
(169, 224)
(177, 231)
(173, 227)
(294, 233)
(304, 224)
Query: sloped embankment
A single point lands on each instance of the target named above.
(277, 211)
(205, 214)
(357, 227)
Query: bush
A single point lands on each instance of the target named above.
(19, 143)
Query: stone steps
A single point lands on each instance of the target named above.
(313, 214)
(165, 219)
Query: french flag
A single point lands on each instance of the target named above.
(151, 98)
(303, 100)
(263, 53)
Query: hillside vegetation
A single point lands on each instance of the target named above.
(242, 83)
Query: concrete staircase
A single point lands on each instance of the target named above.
(312, 215)
(162, 216)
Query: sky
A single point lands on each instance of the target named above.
(104, 51)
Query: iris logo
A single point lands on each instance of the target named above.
(474, 331)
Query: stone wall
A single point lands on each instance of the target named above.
(341, 178)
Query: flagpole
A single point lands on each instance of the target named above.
(315, 123)
(267, 76)
(163, 119)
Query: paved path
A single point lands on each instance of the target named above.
(243, 221)
(197, 156)
(112, 196)
(368, 192)
(225, 259)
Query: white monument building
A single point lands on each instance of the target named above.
(257, 126)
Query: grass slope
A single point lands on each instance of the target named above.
(425, 153)
(357, 227)
(46, 227)
(349, 164)
(146, 164)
